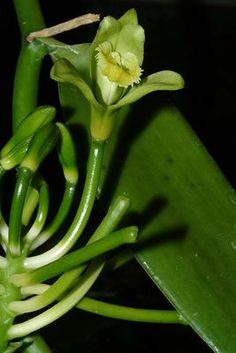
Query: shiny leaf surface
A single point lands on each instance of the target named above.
(186, 211)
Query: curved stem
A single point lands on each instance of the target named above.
(48, 296)
(36, 345)
(59, 309)
(4, 232)
(130, 314)
(115, 213)
(85, 207)
(37, 288)
(15, 221)
(119, 259)
(77, 257)
(40, 217)
(31, 202)
(59, 218)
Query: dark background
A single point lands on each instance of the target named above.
(196, 39)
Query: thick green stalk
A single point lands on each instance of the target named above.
(29, 16)
(29, 63)
(84, 210)
(130, 314)
(25, 92)
(8, 293)
(15, 221)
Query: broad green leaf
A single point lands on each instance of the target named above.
(186, 211)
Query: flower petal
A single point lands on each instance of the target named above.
(131, 39)
(160, 81)
(129, 18)
(124, 34)
(64, 71)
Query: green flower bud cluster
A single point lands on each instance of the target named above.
(13, 153)
(34, 138)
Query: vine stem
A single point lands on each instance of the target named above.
(25, 92)
(29, 16)
(131, 314)
(84, 210)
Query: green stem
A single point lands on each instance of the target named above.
(15, 221)
(36, 344)
(25, 93)
(31, 202)
(130, 314)
(116, 212)
(29, 16)
(76, 258)
(33, 289)
(48, 296)
(29, 63)
(40, 217)
(81, 218)
(114, 215)
(59, 218)
(3, 226)
(109, 223)
(4, 231)
(119, 259)
(8, 294)
(59, 309)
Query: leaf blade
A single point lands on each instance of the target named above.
(195, 269)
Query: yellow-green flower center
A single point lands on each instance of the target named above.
(123, 69)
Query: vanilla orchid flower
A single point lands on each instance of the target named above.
(116, 74)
